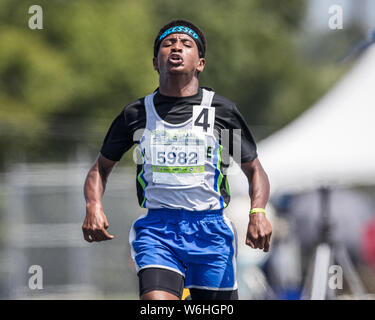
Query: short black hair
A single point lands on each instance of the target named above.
(185, 23)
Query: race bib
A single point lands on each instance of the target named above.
(177, 157)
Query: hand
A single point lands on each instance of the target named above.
(95, 224)
(259, 232)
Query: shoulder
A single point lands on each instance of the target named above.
(134, 113)
(220, 101)
(224, 102)
(134, 107)
(223, 106)
(131, 115)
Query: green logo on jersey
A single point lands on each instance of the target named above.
(187, 169)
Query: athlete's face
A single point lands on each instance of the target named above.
(178, 53)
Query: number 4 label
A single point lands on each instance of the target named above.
(203, 119)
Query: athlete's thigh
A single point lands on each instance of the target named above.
(153, 246)
(159, 279)
(213, 266)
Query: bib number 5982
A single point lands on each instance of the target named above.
(179, 157)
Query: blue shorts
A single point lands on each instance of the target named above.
(199, 245)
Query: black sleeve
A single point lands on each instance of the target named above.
(248, 145)
(118, 139)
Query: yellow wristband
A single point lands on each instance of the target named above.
(254, 210)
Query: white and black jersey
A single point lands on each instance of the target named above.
(182, 154)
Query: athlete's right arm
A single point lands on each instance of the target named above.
(95, 223)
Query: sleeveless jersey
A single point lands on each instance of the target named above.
(181, 165)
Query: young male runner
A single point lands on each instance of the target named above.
(184, 239)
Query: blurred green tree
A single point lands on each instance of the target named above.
(62, 86)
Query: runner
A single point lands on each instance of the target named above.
(185, 239)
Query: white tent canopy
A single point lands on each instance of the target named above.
(333, 142)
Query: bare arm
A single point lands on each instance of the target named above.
(95, 223)
(259, 229)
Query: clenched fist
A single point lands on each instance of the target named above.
(95, 224)
(259, 232)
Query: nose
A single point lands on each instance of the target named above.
(177, 46)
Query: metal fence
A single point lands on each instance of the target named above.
(42, 213)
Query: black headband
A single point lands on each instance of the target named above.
(181, 29)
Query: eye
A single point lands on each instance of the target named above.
(167, 43)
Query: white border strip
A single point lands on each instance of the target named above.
(132, 237)
(162, 267)
(212, 288)
(234, 244)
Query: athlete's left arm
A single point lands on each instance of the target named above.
(259, 229)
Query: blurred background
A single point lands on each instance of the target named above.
(304, 89)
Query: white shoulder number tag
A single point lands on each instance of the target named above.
(203, 119)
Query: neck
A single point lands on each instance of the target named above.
(178, 86)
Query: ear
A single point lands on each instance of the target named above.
(155, 63)
(201, 64)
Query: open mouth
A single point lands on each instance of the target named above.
(175, 59)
